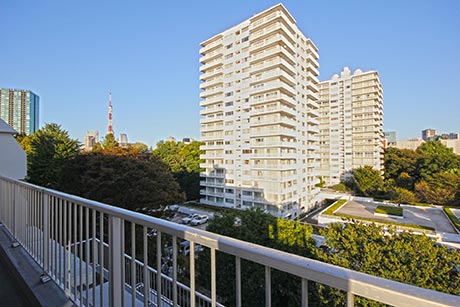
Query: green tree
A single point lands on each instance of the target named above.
(405, 181)
(398, 161)
(260, 228)
(404, 257)
(435, 158)
(366, 180)
(24, 140)
(50, 149)
(109, 141)
(404, 196)
(184, 161)
(126, 178)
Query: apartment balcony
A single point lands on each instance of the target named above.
(273, 74)
(285, 100)
(272, 63)
(272, 85)
(273, 120)
(271, 130)
(212, 91)
(86, 248)
(212, 73)
(212, 64)
(276, 50)
(211, 82)
(212, 43)
(211, 55)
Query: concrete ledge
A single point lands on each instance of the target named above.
(26, 273)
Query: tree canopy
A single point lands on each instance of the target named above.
(184, 161)
(126, 178)
(366, 180)
(50, 149)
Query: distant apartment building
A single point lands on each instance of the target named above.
(390, 138)
(454, 144)
(411, 144)
(259, 123)
(351, 124)
(428, 134)
(19, 109)
(91, 138)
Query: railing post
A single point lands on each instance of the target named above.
(116, 284)
(17, 213)
(46, 230)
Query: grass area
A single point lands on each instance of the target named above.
(452, 217)
(396, 202)
(334, 207)
(340, 202)
(377, 221)
(389, 210)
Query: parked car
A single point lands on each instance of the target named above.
(185, 248)
(200, 219)
(189, 218)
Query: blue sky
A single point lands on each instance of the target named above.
(71, 53)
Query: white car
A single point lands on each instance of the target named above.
(200, 219)
(188, 219)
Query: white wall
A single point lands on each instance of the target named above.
(13, 162)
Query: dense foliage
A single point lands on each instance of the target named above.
(184, 162)
(124, 177)
(412, 259)
(430, 174)
(49, 149)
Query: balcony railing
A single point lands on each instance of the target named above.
(90, 250)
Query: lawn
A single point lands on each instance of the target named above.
(389, 210)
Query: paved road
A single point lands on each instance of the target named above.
(425, 216)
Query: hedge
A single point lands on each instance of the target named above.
(396, 211)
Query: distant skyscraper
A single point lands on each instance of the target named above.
(91, 138)
(123, 139)
(110, 129)
(19, 108)
(428, 134)
(351, 124)
(390, 138)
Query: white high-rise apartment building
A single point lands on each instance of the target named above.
(351, 124)
(260, 121)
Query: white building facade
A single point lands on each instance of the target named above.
(259, 125)
(351, 124)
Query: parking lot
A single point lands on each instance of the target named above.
(178, 219)
(424, 216)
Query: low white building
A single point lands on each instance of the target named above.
(13, 162)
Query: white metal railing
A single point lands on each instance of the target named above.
(90, 249)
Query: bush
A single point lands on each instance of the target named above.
(340, 187)
(397, 211)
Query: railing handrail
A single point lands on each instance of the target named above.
(361, 284)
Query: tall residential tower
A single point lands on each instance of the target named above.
(19, 109)
(351, 127)
(259, 121)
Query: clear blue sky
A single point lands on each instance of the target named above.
(71, 53)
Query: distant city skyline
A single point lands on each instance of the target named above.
(148, 56)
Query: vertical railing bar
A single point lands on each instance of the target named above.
(80, 253)
(146, 272)
(122, 257)
(304, 292)
(52, 236)
(69, 246)
(133, 264)
(46, 231)
(192, 275)
(75, 250)
(87, 254)
(174, 246)
(159, 268)
(101, 256)
(268, 286)
(213, 277)
(350, 299)
(94, 255)
(238, 281)
(33, 206)
(63, 254)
